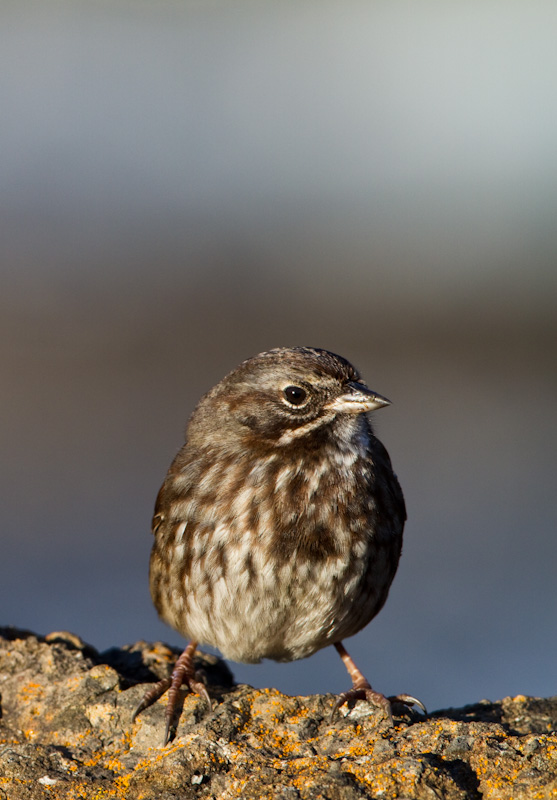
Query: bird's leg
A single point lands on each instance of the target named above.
(361, 690)
(183, 673)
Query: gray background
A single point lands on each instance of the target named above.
(183, 185)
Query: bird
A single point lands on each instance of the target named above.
(278, 528)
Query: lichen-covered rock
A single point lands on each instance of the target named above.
(66, 733)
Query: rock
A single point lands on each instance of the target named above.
(66, 732)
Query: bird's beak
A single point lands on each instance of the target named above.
(357, 400)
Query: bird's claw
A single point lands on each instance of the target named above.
(182, 674)
(172, 711)
(407, 700)
(376, 699)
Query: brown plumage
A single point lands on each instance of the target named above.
(278, 528)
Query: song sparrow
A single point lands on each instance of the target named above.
(278, 528)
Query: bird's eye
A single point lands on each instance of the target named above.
(295, 395)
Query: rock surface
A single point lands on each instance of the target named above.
(66, 732)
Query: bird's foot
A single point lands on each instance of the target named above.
(364, 692)
(376, 699)
(361, 690)
(183, 673)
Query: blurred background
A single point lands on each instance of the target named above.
(185, 184)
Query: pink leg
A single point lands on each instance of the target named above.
(361, 690)
(183, 673)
